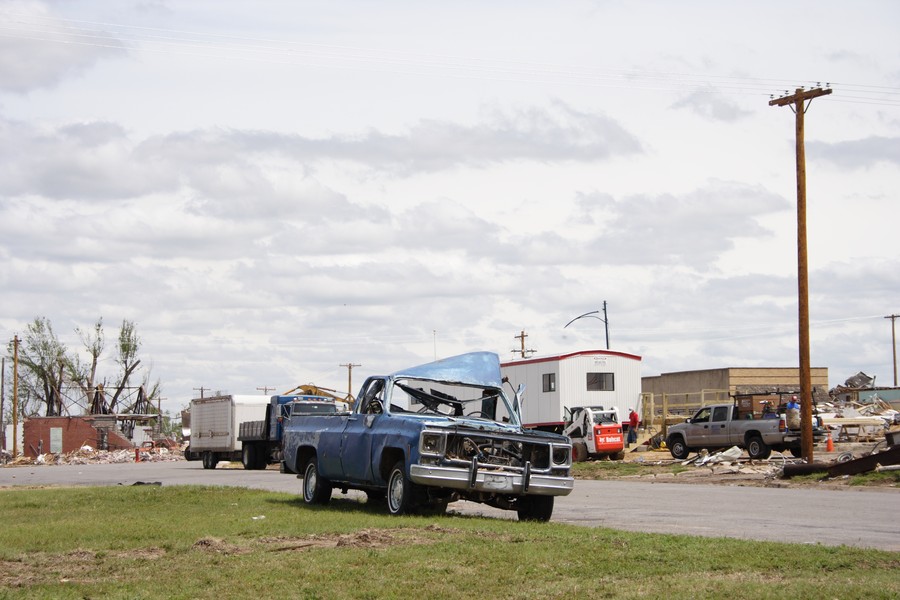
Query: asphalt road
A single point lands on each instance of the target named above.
(861, 518)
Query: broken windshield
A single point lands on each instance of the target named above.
(450, 400)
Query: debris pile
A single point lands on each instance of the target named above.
(732, 461)
(858, 421)
(88, 455)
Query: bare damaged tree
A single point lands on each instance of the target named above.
(84, 375)
(127, 350)
(43, 362)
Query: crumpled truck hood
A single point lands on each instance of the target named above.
(473, 368)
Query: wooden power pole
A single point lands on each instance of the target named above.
(349, 366)
(15, 398)
(797, 101)
(521, 337)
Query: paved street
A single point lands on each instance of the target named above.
(864, 518)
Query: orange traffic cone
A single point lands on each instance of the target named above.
(829, 445)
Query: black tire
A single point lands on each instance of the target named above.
(579, 452)
(618, 456)
(209, 460)
(757, 448)
(375, 496)
(316, 489)
(401, 492)
(248, 456)
(433, 508)
(535, 508)
(796, 452)
(678, 448)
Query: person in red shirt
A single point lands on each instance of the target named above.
(633, 421)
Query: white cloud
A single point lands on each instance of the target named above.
(40, 50)
(270, 193)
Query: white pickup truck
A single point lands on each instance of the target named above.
(719, 426)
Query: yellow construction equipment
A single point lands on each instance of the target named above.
(311, 389)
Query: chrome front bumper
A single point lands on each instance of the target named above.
(491, 481)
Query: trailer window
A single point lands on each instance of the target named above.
(601, 382)
(549, 382)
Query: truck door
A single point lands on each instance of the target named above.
(718, 426)
(697, 428)
(356, 444)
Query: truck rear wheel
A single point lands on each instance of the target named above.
(401, 492)
(535, 508)
(678, 448)
(252, 457)
(757, 448)
(209, 460)
(316, 489)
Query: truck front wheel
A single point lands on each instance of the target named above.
(678, 448)
(400, 492)
(316, 489)
(757, 448)
(535, 508)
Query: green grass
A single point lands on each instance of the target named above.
(873, 478)
(604, 469)
(204, 542)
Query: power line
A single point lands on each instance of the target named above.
(221, 46)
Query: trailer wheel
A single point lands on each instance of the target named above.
(757, 448)
(401, 491)
(209, 460)
(535, 508)
(316, 489)
(678, 448)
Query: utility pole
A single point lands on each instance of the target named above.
(521, 337)
(265, 389)
(2, 401)
(798, 102)
(15, 448)
(893, 319)
(350, 366)
(201, 389)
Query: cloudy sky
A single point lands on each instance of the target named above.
(271, 190)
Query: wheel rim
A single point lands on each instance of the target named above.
(395, 491)
(309, 482)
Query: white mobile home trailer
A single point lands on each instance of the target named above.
(587, 378)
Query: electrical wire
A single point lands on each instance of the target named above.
(304, 54)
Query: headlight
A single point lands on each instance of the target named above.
(432, 443)
(562, 455)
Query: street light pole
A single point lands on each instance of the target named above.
(591, 314)
(893, 319)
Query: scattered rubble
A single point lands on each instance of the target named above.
(88, 455)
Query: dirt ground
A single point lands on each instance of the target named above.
(657, 465)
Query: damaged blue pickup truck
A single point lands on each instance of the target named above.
(430, 435)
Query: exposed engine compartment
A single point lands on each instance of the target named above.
(498, 451)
